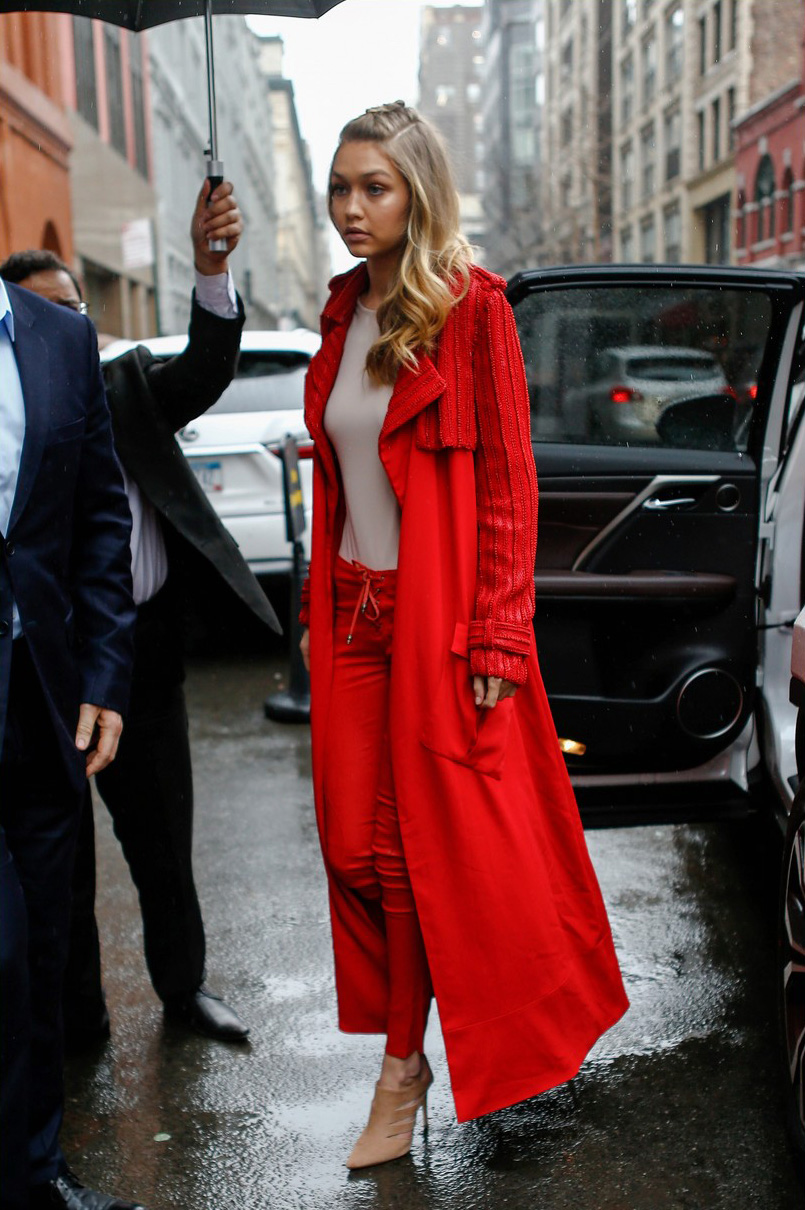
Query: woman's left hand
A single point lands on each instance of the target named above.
(489, 690)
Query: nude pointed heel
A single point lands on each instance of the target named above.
(389, 1131)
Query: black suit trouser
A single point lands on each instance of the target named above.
(148, 790)
(39, 815)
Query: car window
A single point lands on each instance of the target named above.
(266, 382)
(676, 369)
(642, 365)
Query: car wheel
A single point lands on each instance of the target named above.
(791, 971)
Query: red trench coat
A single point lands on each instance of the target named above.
(516, 933)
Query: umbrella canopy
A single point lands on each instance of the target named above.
(143, 14)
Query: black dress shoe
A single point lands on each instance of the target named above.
(207, 1014)
(67, 1193)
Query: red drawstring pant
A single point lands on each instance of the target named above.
(362, 841)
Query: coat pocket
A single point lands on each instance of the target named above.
(66, 432)
(455, 727)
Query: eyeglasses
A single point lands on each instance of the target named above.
(81, 307)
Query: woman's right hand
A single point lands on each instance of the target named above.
(304, 647)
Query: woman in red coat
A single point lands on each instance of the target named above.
(456, 860)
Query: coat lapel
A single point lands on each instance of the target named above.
(414, 390)
(31, 351)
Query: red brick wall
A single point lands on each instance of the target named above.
(776, 38)
(35, 137)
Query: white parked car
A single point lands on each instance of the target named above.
(633, 384)
(233, 448)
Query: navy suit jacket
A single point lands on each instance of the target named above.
(66, 559)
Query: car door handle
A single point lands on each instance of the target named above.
(659, 504)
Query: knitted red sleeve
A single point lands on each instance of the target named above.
(506, 495)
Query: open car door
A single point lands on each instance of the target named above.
(658, 400)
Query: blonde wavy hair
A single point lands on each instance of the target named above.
(434, 263)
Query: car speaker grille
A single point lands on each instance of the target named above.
(709, 703)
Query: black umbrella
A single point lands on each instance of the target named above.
(143, 14)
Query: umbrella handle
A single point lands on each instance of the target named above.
(215, 175)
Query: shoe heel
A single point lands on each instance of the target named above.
(425, 1114)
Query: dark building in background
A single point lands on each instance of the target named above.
(451, 67)
(513, 37)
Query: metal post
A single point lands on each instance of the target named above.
(293, 704)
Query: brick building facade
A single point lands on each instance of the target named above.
(769, 203)
(35, 137)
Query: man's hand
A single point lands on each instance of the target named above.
(489, 690)
(221, 219)
(97, 734)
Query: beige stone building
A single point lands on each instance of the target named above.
(682, 72)
(303, 259)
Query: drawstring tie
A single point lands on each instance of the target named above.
(367, 602)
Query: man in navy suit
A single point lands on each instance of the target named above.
(66, 619)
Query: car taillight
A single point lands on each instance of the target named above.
(624, 395)
(729, 390)
(753, 391)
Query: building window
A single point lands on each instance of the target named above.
(566, 127)
(629, 15)
(788, 201)
(715, 110)
(627, 175)
(566, 66)
(138, 104)
(648, 151)
(444, 95)
(84, 53)
(672, 235)
(566, 191)
(740, 225)
(716, 217)
(731, 119)
(702, 140)
(717, 32)
(627, 89)
(764, 196)
(114, 87)
(674, 44)
(648, 241)
(702, 45)
(649, 68)
(673, 144)
(733, 24)
(627, 244)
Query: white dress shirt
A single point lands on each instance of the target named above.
(149, 558)
(12, 425)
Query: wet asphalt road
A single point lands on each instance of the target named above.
(678, 1107)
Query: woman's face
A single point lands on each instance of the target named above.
(369, 200)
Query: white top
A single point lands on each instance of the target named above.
(353, 419)
(149, 558)
(12, 427)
